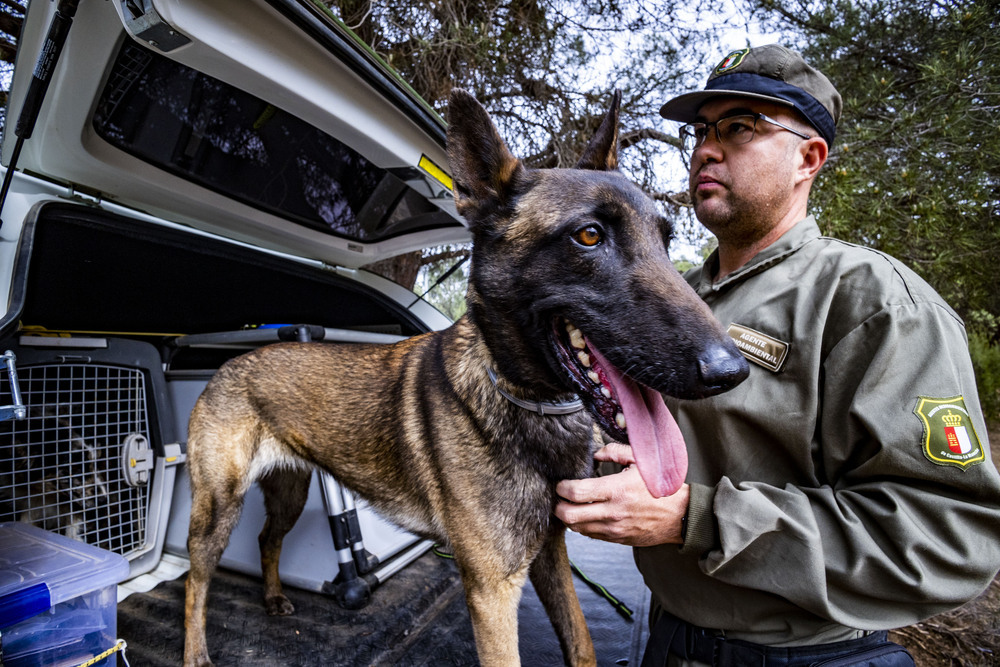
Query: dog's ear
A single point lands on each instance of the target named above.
(602, 152)
(484, 169)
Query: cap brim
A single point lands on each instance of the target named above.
(684, 108)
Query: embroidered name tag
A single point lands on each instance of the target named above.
(759, 348)
(950, 438)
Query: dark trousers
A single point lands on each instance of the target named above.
(671, 636)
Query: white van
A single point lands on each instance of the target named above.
(174, 203)
(185, 180)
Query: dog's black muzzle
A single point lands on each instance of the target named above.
(720, 368)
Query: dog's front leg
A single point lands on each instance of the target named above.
(493, 600)
(553, 581)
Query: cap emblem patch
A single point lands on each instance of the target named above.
(950, 437)
(732, 61)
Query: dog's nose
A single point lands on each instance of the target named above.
(721, 367)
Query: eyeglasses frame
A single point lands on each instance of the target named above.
(718, 135)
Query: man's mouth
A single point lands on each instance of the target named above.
(706, 182)
(626, 410)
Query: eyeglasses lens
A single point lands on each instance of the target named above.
(733, 131)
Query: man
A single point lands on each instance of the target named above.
(846, 487)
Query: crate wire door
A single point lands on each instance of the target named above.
(62, 468)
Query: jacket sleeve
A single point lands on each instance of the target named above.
(889, 536)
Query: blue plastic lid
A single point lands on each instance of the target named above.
(39, 570)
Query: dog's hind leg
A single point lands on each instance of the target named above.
(553, 581)
(285, 492)
(219, 482)
(213, 517)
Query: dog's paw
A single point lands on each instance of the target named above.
(278, 605)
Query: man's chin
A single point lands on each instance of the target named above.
(711, 212)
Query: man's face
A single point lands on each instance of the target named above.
(740, 192)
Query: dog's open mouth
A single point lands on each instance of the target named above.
(626, 410)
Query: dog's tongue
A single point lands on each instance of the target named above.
(655, 438)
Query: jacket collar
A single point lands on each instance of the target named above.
(803, 232)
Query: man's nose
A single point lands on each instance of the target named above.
(709, 150)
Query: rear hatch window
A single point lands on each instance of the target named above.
(248, 149)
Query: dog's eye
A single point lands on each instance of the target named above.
(588, 236)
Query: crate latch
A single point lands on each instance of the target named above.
(137, 459)
(173, 455)
(18, 409)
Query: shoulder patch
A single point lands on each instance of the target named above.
(731, 61)
(758, 347)
(950, 437)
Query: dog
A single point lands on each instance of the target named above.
(576, 317)
(52, 479)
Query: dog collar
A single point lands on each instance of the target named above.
(541, 407)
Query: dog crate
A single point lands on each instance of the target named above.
(88, 458)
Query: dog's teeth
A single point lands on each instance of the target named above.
(584, 358)
(594, 377)
(576, 339)
(620, 420)
(606, 392)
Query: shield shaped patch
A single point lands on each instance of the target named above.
(731, 61)
(950, 437)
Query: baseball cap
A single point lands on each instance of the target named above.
(773, 73)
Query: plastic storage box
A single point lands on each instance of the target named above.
(58, 601)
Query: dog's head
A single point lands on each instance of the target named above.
(573, 290)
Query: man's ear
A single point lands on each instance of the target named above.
(601, 153)
(814, 153)
(483, 168)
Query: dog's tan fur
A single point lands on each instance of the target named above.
(418, 429)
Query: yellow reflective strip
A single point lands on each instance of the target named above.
(35, 330)
(439, 174)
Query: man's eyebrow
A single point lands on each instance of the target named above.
(738, 111)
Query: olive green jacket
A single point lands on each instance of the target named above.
(847, 483)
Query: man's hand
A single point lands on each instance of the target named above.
(619, 508)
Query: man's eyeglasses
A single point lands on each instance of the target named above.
(730, 131)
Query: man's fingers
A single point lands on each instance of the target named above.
(615, 452)
(577, 516)
(582, 491)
